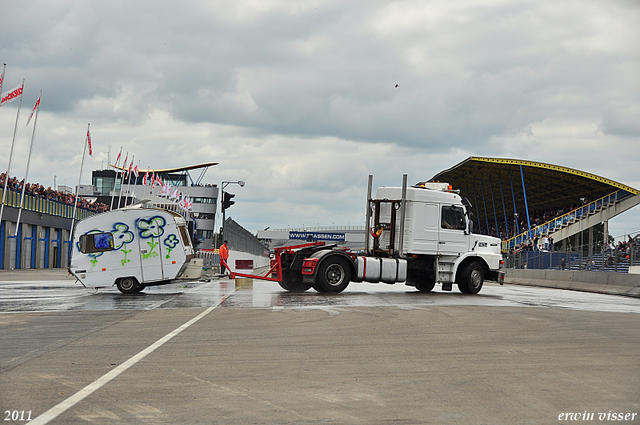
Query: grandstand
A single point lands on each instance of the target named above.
(520, 201)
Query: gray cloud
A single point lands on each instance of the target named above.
(298, 98)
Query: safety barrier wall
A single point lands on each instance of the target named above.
(604, 283)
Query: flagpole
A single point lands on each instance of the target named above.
(115, 179)
(136, 183)
(4, 68)
(122, 179)
(144, 183)
(133, 158)
(13, 144)
(75, 204)
(26, 173)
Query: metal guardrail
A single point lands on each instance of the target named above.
(565, 219)
(603, 259)
(45, 206)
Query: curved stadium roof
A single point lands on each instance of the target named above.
(493, 185)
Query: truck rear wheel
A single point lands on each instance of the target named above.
(292, 282)
(334, 275)
(471, 279)
(318, 287)
(129, 285)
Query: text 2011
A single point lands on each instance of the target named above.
(17, 415)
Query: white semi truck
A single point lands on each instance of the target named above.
(132, 248)
(420, 235)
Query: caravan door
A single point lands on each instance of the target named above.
(150, 231)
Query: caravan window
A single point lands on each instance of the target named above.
(96, 242)
(453, 218)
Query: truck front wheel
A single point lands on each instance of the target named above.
(334, 275)
(471, 279)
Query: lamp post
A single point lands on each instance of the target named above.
(221, 196)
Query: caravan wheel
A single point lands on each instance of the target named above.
(128, 285)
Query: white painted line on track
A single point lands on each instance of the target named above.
(63, 406)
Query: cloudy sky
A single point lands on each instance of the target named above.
(298, 97)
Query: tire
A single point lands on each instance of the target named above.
(334, 275)
(292, 282)
(128, 285)
(471, 279)
(422, 281)
(319, 287)
(426, 284)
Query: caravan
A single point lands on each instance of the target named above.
(133, 248)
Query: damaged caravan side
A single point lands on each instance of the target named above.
(133, 248)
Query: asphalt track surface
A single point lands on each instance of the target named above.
(211, 353)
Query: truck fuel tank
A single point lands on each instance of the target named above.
(387, 270)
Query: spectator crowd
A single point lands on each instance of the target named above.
(536, 218)
(623, 250)
(38, 190)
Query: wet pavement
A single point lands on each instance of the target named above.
(62, 293)
(251, 353)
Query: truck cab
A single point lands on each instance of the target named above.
(435, 235)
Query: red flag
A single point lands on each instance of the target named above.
(144, 179)
(89, 141)
(34, 111)
(12, 94)
(129, 172)
(1, 79)
(118, 158)
(135, 171)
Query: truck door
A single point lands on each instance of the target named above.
(452, 237)
(150, 231)
(423, 220)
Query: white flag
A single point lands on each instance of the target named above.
(12, 94)
(34, 111)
